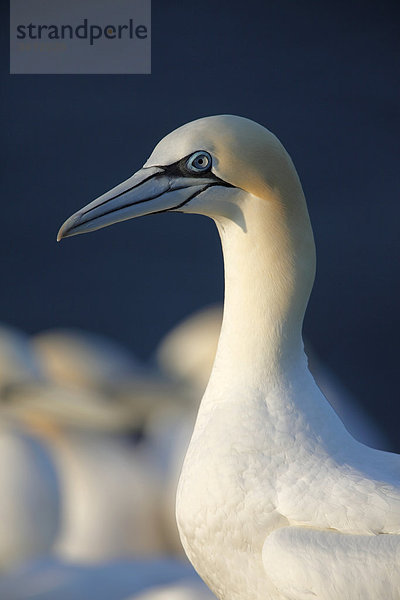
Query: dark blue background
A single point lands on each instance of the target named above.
(322, 75)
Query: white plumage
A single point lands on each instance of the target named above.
(276, 500)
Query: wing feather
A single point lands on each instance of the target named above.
(305, 563)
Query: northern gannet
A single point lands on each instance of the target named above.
(276, 500)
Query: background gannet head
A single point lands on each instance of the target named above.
(206, 166)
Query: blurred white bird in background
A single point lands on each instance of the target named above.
(29, 492)
(187, 352)
(29, 497)
(108, 501)
(84, 360)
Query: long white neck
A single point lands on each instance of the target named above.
(269, 259)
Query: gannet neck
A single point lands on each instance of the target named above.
(269, 272)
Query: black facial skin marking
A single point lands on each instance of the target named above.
(196, 193)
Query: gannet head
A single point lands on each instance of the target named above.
(205, 166)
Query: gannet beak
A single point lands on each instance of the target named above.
(150, 190)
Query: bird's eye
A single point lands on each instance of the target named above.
(199, 162)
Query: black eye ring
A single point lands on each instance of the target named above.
(199, 162)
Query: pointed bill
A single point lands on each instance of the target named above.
(150, 190)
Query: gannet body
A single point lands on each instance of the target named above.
(276, 500)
